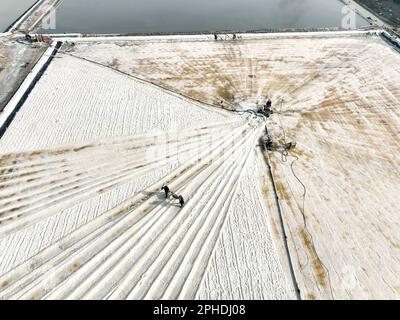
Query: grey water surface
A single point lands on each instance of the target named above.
(11, 10)
(170, 16)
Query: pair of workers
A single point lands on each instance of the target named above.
(175, 196)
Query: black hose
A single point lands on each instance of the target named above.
(284, 235)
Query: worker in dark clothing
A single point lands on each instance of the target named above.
(268, 108)
(180, 198)
(181, 201)
(166, 190)
(269, 144)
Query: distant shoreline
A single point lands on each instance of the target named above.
(366, 12)
(382, 18)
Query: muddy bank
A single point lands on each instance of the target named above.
(16, 62)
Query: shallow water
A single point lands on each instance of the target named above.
(169, 16)
(10, 10)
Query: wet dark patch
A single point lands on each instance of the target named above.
(282, 191)
(316, 263)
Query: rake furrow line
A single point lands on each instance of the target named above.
(163, 240)
(26, 220)
(128, 253)
(53, 251)
(198, 232)
(71, 182)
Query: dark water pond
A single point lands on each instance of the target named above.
(169, 16)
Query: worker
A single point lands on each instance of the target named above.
(268, 108)
(166, 190)
(269, 144)
(181, 201)
(180, 198)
